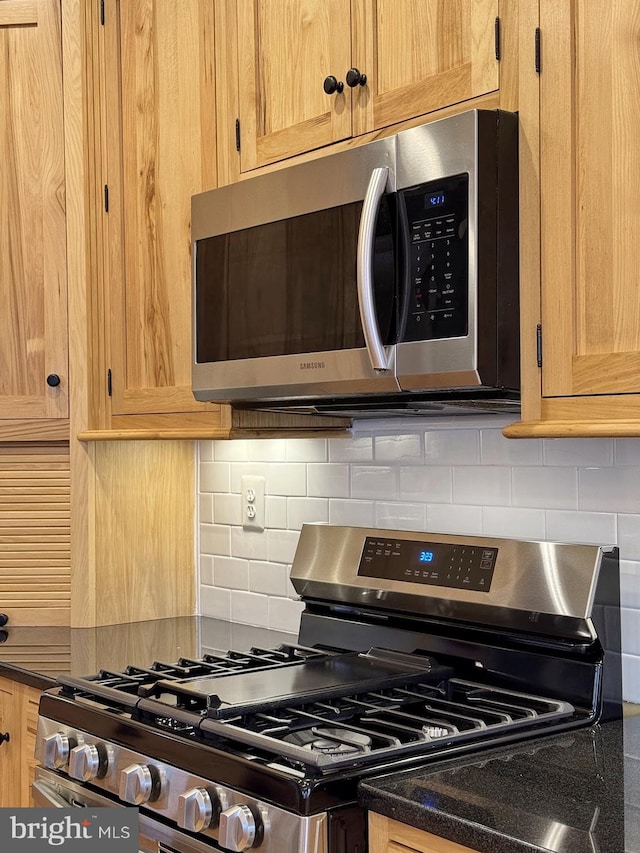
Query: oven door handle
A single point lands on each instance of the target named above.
(366, 236)
(49, 795)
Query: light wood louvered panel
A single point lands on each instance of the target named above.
(35, 556)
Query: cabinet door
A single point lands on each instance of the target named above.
(420, 57)
(30, 703)
(286, 50)
(160, 150)
(33, 277)
(391, 836)
(590, 216)
(10, 788)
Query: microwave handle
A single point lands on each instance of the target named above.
(366, 236)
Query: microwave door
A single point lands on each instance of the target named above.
(276, 303)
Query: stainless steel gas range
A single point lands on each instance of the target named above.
(412, 647)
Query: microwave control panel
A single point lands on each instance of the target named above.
(437, 220)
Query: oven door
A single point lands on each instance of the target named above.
(49, 790)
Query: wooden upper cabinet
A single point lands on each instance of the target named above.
(159, 149)
(590, 215)
(286, 50)
(33, 274)
(406, 59)
(420, 57)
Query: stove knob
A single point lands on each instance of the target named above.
(54, 750)
(140, 784)
(239, 829)
(195, 810)
(85, 762)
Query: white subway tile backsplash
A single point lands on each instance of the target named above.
(268, 578)
(250, 608)
(398, 448)
(306, 450)
(485, 485)
(215, 539)
(328, 481)
(284, 614)
(630, 628)
(289, 479)
(596, 528)
(630, 583)
(249, 544)
(215, 477)
(352, 513)
(275, 511)
(431, 484)
(451, 475)
(230, 451)
(206, 569)
(357, 449)
(402, 516)
(282, 545)
(555, 488)
(448, 518)
(513, 522)
(578, 451)
(205, 508)
(452, 447)
(205, 452)
(495, 449)
(301, 510)
(231, 572)
(266, 449)
(371, 482)
(627, 452)
(215, 602)
(227, 509)
(629, 536)
(241, 469)
(621, 485)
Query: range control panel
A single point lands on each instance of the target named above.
(436, 563)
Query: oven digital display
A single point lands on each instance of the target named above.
(445, 564)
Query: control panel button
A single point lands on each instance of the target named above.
(84, 762)
(195, 810)
(55, 748)
(240, 829)
(141, 783)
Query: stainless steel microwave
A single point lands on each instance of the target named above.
(376, 280)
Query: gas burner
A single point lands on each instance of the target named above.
(331, 741)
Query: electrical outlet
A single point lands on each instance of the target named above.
(252, 502)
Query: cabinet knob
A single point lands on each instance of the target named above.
(332, 85)
(4, 736)
(3, 619)
(53, 380)
(355, 78)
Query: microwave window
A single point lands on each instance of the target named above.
(287, 287)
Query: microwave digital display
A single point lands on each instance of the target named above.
(435, 199)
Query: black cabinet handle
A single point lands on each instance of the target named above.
(3, 619)
(332, 85)
(53, 380)
(4, 736)
(355, 78)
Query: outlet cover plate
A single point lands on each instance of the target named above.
(252, 502)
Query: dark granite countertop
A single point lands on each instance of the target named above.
(36, 655)
(577, 792)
